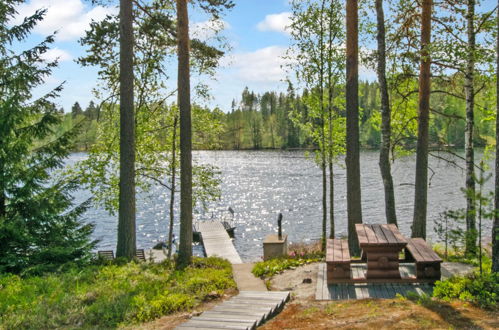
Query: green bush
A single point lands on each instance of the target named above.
(273, 266)
(106, 296)
(482, 290)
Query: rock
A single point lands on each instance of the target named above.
(212, 295)
(193, 314)
(307, 280)
(159, 246)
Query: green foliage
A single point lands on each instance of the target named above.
(39, 226)
(274, 266)
(108, 296)
(155, 45)
(299, 254)
(482, 290)
(449, 229)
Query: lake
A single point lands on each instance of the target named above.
(260, 184)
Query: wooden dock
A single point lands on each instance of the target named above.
(217, 242)
(247, 310)
(368, 290)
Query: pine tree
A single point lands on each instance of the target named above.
(76, 110)
(126, 211)
(352, 160)
(184, 102)
(39, 226)
(92, 112)
(421, 185)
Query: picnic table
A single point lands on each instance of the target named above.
(381, 245)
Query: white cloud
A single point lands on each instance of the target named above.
(276, 22)
(206, 30)
(56, 54)
(262, 65)
(69, 17)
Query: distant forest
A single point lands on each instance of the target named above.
(272, 121)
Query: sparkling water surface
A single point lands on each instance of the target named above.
(258, 185)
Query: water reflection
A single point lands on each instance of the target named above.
(260, 184)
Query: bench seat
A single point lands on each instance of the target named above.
(337, 260)
(140, 254)
(426, 260)
(107, 254)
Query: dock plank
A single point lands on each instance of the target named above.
(217, 242)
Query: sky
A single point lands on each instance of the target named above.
(255, 29)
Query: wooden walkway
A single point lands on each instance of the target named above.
(247, 310)
(368, 290)
(217, 242)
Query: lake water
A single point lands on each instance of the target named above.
(259, 184)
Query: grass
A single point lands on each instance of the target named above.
(109, 296)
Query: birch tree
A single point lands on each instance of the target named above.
(386, 128)
(318, 63)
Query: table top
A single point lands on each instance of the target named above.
(379, 235)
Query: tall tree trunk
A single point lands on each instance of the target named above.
(421, 184)
(495, 227)
(354, 204)
(386, 128)
(471, 233)
(173, 170)
(322, 130)
(184, 101)
(126, 213)
(330, 133)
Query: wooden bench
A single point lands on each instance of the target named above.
(108, 254)
(426, 260)
(337, 260)
(140, 254)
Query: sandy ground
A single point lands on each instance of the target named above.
(293, 280)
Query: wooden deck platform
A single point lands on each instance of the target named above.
(247, 310)
(217, 242)
(368, 290)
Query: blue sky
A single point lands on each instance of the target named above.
(254, 28)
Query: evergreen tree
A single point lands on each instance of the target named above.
(76, 110)
(92, 112)
(126, 211)
(184, 102)
(352, 160)
(39, 227)
(421, 185)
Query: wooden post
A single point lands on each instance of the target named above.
(279, 225)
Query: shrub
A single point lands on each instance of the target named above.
(482, 290)
(299, 254)
(273, 266)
